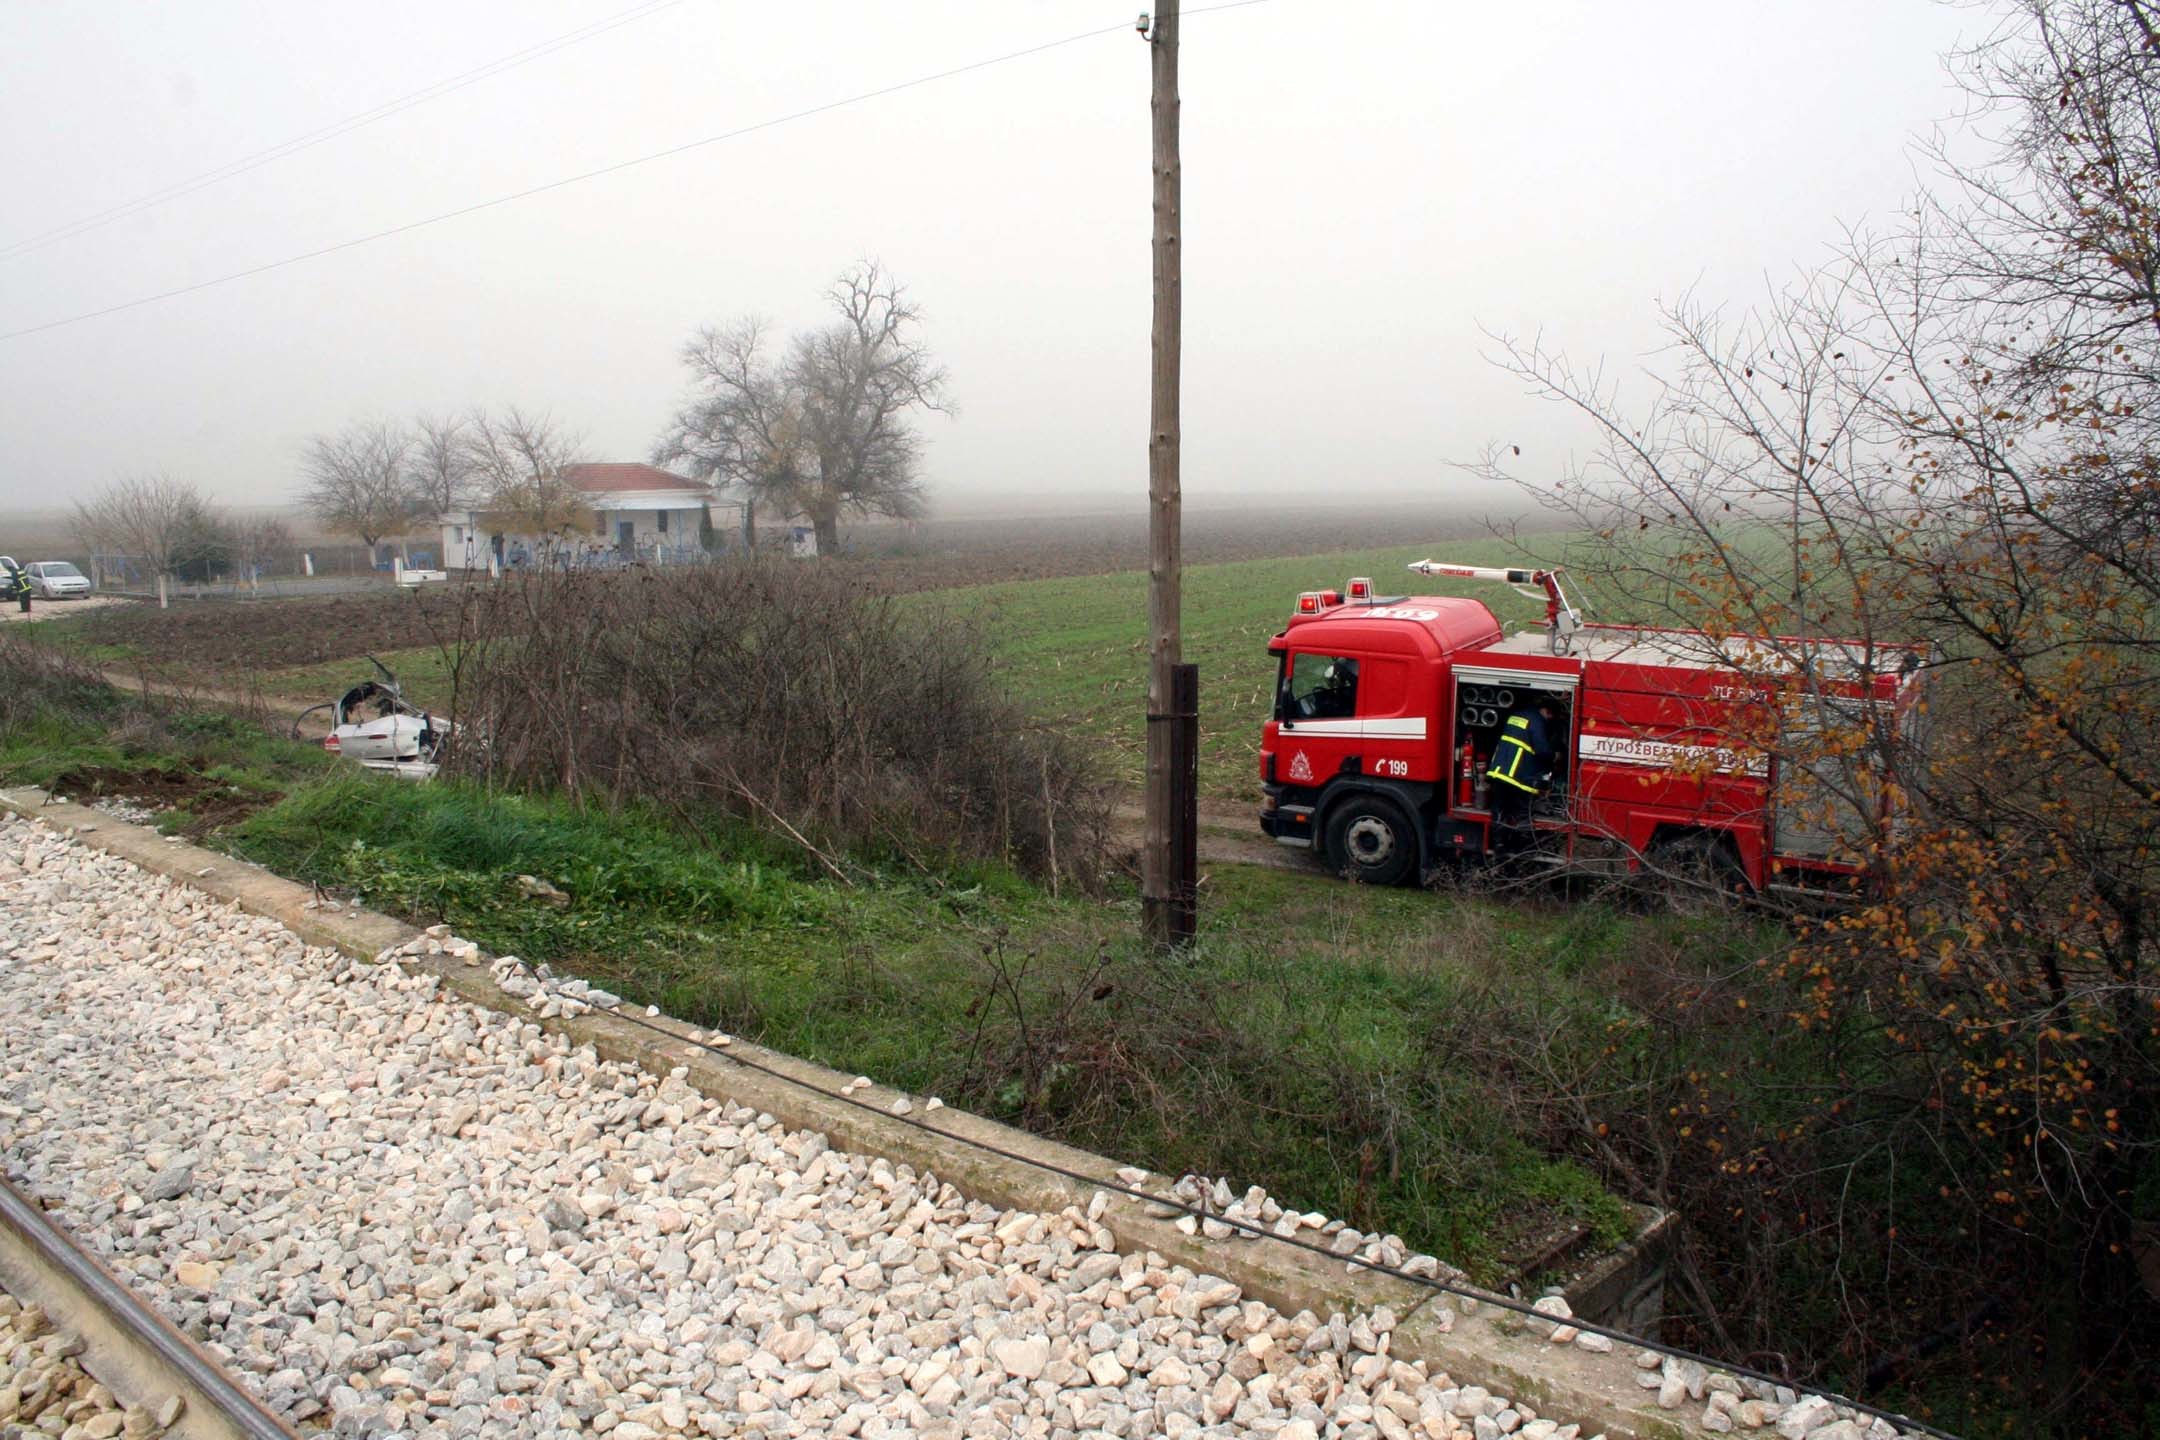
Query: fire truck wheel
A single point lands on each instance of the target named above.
(1703, 863)
(1370, 840)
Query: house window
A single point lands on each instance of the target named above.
(663, 521)
(599, 522)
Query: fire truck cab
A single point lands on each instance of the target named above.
(1387, 711)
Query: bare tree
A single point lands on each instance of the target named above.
(741, 430)
(439, 466)
(824, 431)
(357, 483)
(256, 543)
(1950, 435)
(149, 517)
(520, 457)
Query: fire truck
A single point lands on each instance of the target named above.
(1665, 743)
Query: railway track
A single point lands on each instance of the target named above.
(128, 1347)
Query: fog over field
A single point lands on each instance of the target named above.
(1367, 183)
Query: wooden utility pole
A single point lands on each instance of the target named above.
(1166, 872)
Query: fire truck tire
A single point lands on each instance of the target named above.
(1701, 861)
(1371, 841)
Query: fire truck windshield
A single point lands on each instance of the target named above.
(1317, 687)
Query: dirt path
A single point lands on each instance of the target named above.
(142, 682)
(1229, 835)
(11, 613)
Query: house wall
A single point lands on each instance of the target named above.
(452, 556)
(682, 525)
(470, 532)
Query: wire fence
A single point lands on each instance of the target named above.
(295, 570)
(344, 568)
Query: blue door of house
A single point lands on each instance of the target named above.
(626, 538)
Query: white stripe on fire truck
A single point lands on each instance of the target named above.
(1411, 729)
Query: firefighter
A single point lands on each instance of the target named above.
(1522, 761)
(18, 587)
(1337, 695)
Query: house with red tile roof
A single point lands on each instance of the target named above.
(639, 513)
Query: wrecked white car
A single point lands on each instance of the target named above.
(373, 724)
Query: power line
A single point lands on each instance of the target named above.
(582, 176)
(346, 126)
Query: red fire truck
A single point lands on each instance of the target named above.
(1387, 710)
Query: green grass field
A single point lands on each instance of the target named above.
(1077, 650)
(423, 673)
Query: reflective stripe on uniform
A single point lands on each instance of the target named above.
(1504, 771)
(1511, 764)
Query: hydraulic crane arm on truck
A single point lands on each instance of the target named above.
(1562, 619)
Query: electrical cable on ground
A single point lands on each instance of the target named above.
(617, 167)
(310, 139)
(1258, 1232)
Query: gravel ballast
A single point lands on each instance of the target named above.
(44, 1389)
(392, 1212)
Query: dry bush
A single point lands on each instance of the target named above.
(852, 724)
(40, 686)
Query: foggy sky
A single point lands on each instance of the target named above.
(1366, 183)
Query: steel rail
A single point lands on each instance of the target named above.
(81, 1296)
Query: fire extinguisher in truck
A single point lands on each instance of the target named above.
(1652, 752)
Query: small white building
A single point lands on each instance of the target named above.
(640, 513)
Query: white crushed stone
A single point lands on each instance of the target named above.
(393, 1212)
(121, 807)
(44, 1389)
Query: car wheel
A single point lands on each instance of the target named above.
(1369, 840)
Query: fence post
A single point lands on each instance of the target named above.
(1184, 875)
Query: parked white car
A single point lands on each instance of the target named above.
(58, 580)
